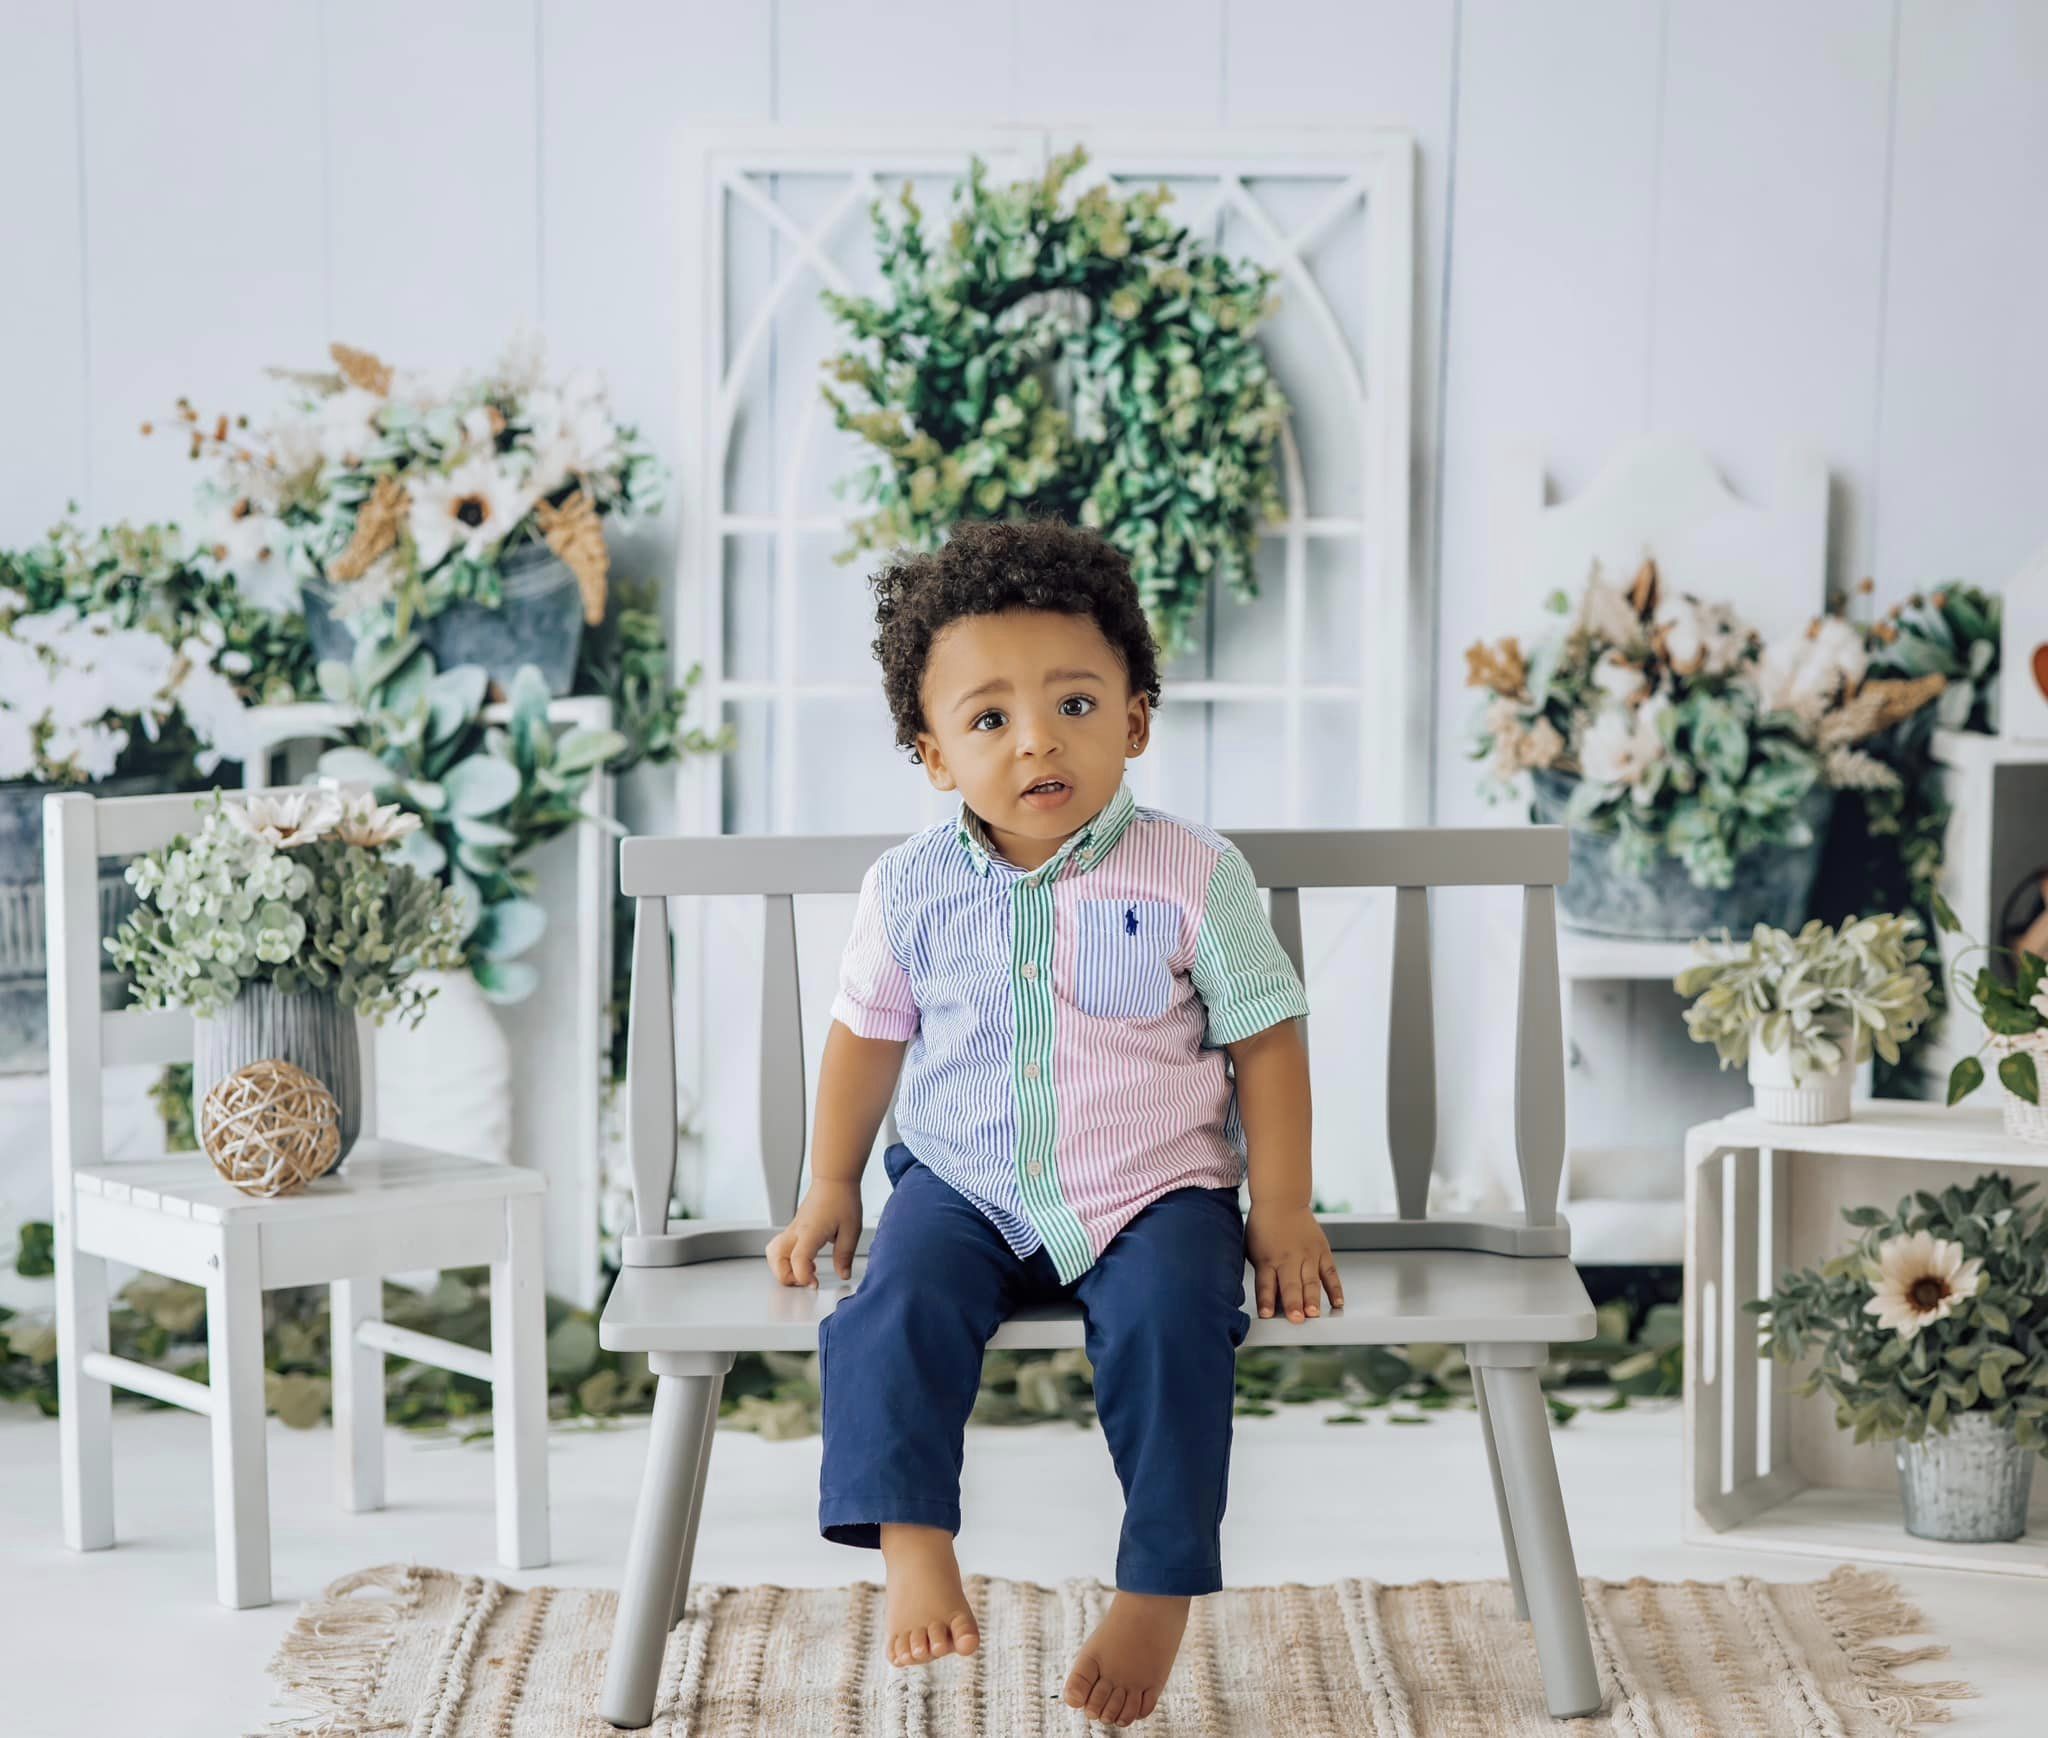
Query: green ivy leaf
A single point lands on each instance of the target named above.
(2016, 1074)
(1964, 1079)
(1944, 914)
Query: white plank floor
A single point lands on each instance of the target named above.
(130, 1640)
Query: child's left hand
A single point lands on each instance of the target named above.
(1290, 1254)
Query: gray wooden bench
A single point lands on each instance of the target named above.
(692, 1296)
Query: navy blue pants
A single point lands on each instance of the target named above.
(899, 1363)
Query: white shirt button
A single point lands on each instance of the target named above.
(1030, 1071)
(1032, 1168)
(1030, 968)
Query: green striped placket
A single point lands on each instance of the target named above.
(1031, 925)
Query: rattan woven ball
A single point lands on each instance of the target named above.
(270, 1127)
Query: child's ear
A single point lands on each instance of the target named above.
(934, 762)
(1137, 726)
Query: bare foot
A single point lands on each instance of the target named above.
(928, 1610)
(1121, 1670)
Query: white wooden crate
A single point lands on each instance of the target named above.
(1766, 1468)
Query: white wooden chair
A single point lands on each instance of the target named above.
(390, 1209)
(694, 1295)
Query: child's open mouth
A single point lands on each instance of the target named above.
(1048, 793)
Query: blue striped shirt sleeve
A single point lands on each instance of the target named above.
(1243, 976)
(874, 999)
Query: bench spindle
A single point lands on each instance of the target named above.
(1411, 1055)
(1539, 1059)
(651, 1069)
(782, 1062)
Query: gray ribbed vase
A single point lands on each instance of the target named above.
(1970, 1486)
(310, 1030)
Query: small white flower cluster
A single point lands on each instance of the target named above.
(72, 681)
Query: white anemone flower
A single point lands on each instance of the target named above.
(288, 819)
(473, 509)
(1623, 744)
(1921, 1279)
(367, 823)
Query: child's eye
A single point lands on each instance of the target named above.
(1086, 702)
(987, 721)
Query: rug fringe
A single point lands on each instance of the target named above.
(1860, 1605)
(333, 1658)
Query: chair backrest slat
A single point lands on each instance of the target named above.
(1411, 1055)
(782, 1061)
(1411, 861)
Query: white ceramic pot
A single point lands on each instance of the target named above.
(2024, 1121)
(1821, 1098)
(447, 1083)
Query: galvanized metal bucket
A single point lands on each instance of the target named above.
(1969, 1487)
(1771, 885)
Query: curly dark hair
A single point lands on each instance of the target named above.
(987, 566)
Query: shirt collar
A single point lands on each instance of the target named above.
(1086, 848)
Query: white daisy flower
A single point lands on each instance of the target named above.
(288, 819)
(1921, 1279)
(473, 508)
(367, 823)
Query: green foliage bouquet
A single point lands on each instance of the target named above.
(1081, 357)
(1678, 730)
(1940, 1307)
(1822, 994)
(301, 889)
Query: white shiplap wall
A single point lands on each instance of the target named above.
(1762, 225)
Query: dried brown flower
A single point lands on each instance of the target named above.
(1501, 668)
(360, 368)
(575, 534)
(1877, 705)
(1642, 590)
(377, 523)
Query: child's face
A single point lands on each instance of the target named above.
(1029, 715)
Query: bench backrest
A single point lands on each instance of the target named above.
(1410, 860)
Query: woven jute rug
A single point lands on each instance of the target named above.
(425, 1654)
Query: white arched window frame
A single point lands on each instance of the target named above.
(1307, 708)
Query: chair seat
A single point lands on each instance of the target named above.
(1390, 1297)
(378, 1176)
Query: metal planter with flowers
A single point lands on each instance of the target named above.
(1695, 764)
(282, 921)
(471, 508)
(1931, 1332)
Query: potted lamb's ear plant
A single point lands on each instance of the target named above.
(278, 924)
(1931, 1332)
(1804, 1010)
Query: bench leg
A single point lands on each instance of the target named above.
(85, 1405)
(1543, 1543)
(358, 1394)
(1500, 1495)
(706, 1434)
(685, 1409)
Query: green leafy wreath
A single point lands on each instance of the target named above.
(1084, 358)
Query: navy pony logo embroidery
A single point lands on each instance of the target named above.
(1130, 920)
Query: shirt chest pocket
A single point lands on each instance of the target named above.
(1123, 957)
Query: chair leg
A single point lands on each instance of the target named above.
(241, 1479)
(358, 1394)
(706, 1434)
(682, 1405)
(1557, 1607)
(85, 1406)
(1500, 1495)
(519, 1388)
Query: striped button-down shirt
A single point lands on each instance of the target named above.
(1065, 1022)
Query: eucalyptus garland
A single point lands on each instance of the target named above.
(1077, 357)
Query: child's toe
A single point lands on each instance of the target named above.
(939, 1636)
(1098, 1698)
(1081, 1681)
(966, 1636)
(1113, 1709)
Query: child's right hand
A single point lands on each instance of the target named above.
(829, 1213)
